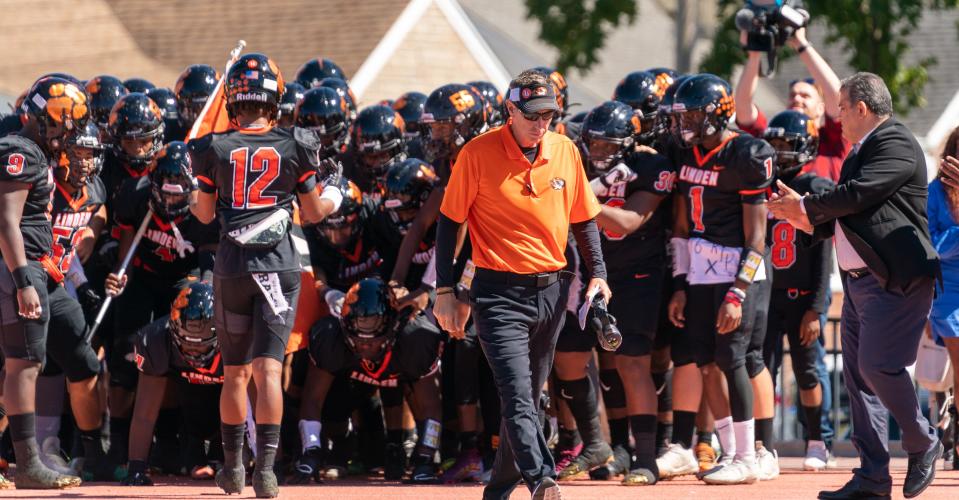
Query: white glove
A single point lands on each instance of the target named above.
(334, 301)
(620, 174)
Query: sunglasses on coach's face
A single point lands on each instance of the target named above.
(535, 117)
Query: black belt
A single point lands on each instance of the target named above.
(538, 280)
(858, 273)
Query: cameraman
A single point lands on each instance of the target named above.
(817, 97)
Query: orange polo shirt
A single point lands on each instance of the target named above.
(511, 228)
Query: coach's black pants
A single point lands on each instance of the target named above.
(517, 327)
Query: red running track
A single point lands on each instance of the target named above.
(793, 483)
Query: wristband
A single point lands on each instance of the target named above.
(680, 248)
(444, 290)
(333, 194)
(21, 277)
(749, 263)
(735, 296)
(802, 48)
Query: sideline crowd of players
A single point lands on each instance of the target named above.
(351, 374)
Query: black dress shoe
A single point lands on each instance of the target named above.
(850, 490)
(921, 471)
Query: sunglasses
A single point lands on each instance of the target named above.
(534, 117)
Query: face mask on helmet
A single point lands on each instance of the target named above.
(368, 320)
(340, 231)
(191, 324)
(441, 139)
(788, 161)
(196, 340)
(333, 131)
(78, 164)
(604, 153)
(694, 126)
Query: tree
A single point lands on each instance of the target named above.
(873, 32)
(578, 28)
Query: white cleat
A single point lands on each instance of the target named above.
(767, 463)
(676, 462)
(736, 472)
(817, 456)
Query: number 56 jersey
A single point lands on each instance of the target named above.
(254, 172)
(714, 185)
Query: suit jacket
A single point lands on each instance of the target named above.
(880, 203)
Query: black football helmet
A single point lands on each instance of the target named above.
(292, 96)
(369, 320)
(323, 111)
(191, 324)
(136, 117)
(82, 158)
(410, 107)
(342, 88)
(495, 111)
(455, 114)
(408, 185)
(574, 125)
(703, 106)
(140, 85)
(341, 229)
(59, 107)
(664, 78)
(559, 87)
(640, 91)
(105, 91)
(315, 70)
(165, 99)
(377, 139)
(66, 76)
(665, 121)
(193, 87)
(171, 181)
(254, 81)
(795, 137)
(608, 134)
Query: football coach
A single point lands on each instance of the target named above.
(521, 189)
(877, 216)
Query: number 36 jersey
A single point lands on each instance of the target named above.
(714, 185)
(254, 172)
(646, 246)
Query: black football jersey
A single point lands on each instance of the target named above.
(72, 213)
(645, 246)
(390, 234)
(156, 355)
(254, 173)
(414, 355)
(115, 173)
(158, 252)
(360, 176)
(715, 184)
(343, 268)
(22, 161)
(796, 261)
(9, 124)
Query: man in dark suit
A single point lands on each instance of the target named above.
(877, 216)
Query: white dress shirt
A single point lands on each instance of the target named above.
(846, 255)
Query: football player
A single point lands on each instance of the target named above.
(249, 177)
(324, 112)
(315, 70)
(193, 88)
(181, 346)
(54, 108)
(377, 141)
(374, 344)
(719, 246)
(800, 277)
(292, 97)
(105, 91)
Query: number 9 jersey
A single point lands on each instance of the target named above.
(255, 172)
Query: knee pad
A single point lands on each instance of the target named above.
(754, 363)
(614, 395)
(807, 378)
(726, 361)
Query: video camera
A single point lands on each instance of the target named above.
(769, 23)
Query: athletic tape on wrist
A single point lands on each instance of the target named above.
(680, 247)
(21, 277)
(749, 263)
(333, 194)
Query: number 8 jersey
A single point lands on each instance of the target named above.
(254, 172)
(714, 185)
